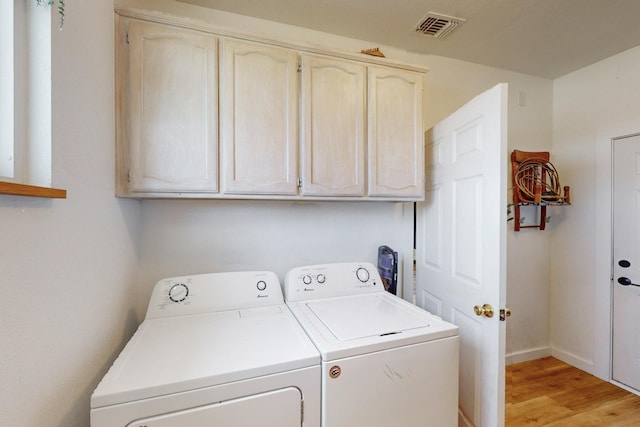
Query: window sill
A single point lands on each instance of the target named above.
(31, 190)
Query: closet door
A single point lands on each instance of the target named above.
(168, 115)
(333, 127)
(259, 116)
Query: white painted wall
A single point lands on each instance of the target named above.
(76, 274)
(323, 232)
(187, 237)
(67, 266)
(591, 106)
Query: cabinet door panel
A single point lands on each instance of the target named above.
(259, 114)
(173, 95)
(333, 127)
(395, 134)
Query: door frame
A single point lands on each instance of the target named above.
(603, 291)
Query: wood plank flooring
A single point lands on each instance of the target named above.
(548, 392)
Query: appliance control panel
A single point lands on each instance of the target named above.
(331, 280)
(206, 293)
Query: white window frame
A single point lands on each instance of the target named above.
(25, 93)
(8, 65)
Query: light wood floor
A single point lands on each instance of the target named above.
(548, 392)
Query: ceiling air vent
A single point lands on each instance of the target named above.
(437, 25)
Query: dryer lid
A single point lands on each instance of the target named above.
(177, 354)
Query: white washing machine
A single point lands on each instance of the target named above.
(385, 362)
(216, 349)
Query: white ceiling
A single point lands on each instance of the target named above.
(546, 38)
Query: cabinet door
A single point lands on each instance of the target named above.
(395, 134)
(259, 115)
(333, 127)
(172, 89)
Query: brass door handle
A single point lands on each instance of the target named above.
(485, 310)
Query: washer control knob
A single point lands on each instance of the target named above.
(178, 292)
(362, 274)
(261, 285)
(306, 280)
(321, 278)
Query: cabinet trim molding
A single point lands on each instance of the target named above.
(178, 21)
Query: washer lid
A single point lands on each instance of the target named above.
(364, 316)
(359, 324)
(177, 354)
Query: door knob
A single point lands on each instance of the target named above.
(485, 310)
(504, 313)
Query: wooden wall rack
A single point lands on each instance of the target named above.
(535, 183)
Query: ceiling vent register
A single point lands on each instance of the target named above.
(437, 25)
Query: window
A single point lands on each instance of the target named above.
(8, 64)
(25, 97)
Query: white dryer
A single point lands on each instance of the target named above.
(215, 349)
(385, 362)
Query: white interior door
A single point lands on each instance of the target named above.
(461, 246)
(626, 261)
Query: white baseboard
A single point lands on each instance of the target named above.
(573, 360)
(539, 353)
(526, 355)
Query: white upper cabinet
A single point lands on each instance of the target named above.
(167, 92)
(205, 113)
(395, 134)
(259, 119)
(333, 127)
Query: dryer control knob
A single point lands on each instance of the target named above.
(362, 274)
(178, 292)
(306, 280)
(321, 278)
